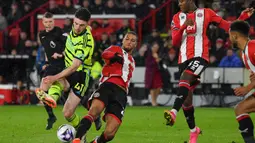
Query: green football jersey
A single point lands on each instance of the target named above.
(81, 47)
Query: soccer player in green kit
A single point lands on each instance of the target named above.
(78, 60)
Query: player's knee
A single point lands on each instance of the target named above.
(187, 104)
(94, 111)
(67, 113)
(188, 77)
(239, 109)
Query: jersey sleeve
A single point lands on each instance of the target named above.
(219, 20)
(110, 52)
(63, 38)
(223, 23)
(177, 31)
(40, 36)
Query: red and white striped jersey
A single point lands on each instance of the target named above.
(248, 55)
(193, 39)
(119, 74)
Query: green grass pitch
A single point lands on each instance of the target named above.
(26, 124)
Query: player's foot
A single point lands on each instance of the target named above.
(50, 123)
(44, 97)
(170, 117)
(194, 135)
(76, 140)
(98, 123)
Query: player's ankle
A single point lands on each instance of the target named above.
(174, 111)
(193, 130)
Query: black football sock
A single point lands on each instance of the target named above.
(189, 114)
(85, 125)
(246, 128)
(183, 92)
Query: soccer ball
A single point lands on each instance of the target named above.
(66, 133)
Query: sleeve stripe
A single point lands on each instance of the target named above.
(66, 55)
(67, 62)
(69, 52)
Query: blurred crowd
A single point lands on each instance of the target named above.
(156, 46)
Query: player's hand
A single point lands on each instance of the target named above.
(189, 22)
(44, 66)
(49, 79)
(56, 56)
(241, 91)
(249, 11)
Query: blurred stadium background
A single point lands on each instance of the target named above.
(21, 57)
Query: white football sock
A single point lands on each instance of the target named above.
(174, 111)
(193, 130)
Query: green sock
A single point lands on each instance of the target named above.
(55, 90)
(74, 120)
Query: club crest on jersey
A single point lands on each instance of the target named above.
(52, 44)
(97, 94)
(199, 15)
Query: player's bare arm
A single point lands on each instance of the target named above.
(249, 11)
(242, 91)
(64, 73)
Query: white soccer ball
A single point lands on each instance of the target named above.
(66, 133)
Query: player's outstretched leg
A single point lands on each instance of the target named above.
(53, 95)
(52, 118)
(95, 110)
(69, 109)
(97, 121)
(245, 123)
(45, 98)
(183, 91)
(112, 126)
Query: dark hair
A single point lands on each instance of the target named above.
(242, 27)
(83, 14)
(48, 15)
(133, 33)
